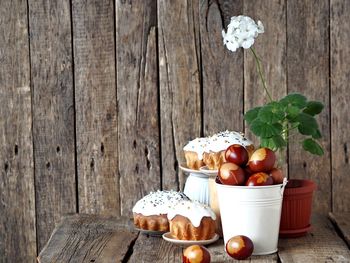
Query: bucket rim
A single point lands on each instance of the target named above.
(249, 187)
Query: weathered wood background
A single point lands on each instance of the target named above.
(97, 99)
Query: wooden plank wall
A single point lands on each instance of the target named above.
(99, 97)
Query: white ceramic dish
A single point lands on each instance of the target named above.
(169, 238)
(184, 168)
(150, 232)
(205, 170)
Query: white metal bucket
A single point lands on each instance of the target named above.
(252, 211)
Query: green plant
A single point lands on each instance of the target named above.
(276, 122)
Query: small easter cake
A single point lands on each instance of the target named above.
(191, 220)
(150, 212)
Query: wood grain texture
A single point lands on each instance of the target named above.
(222, 70)
(219, 255)
(137, 82)
(53, 113)
(322, 244)
(17, 196)
(95, 100)
(179, 84)
(271, 47)
(341, 221)
(308, 73)
(340, 79)
(158, 250)
(89, 238)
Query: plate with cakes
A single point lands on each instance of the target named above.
(191, 223)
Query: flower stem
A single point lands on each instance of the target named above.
(258, 65)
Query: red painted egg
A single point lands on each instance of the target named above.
(277, 175)
(196, 254)
(248, 172)
(239, 247)
(259, 179)
(237, 154)
(262, 160)
(231, 174)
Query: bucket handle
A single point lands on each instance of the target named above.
(283, 186)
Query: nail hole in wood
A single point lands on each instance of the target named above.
(304, 164)
(48, 165)
(102, 148)
(92, 163)
(92, 260)
(6, 166)
(175, 165)
(16, 149)
(134, 144)
(58, 149)
(137, 168)
(108, 116)
(148, 163)
(346, 153)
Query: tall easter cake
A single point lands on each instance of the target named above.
(210, 151)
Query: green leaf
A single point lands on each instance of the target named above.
(317, 134)
(251, 115)
(268, 143)
(265, 130)
(271, 113)
(279, 141)
(312, 146)
(292, 112)
(313, 108)
(307, 124)
(294, 99)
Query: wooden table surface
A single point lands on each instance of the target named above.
(90, 238)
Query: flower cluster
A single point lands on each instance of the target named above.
(241, 32)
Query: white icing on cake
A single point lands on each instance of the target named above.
(193, 210)
(216, 143)
(157, 203)
(198, 145)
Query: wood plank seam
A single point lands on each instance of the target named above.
(32, 112)
(75, 114)
(130, 249)
(340, 231)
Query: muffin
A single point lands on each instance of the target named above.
(150, 212)
(191, 220)
(210, 151)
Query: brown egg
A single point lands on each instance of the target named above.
(236, 154)
(259, 179)
(239, 247)
(277, 175)
(196, 254)
(248, 172)
(262, 160)
(231, 174)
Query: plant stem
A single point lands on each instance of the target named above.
(258, 65)
(286, 129)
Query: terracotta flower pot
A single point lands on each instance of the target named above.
(296, 208)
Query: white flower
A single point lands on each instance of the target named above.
(241, 32)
